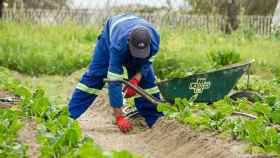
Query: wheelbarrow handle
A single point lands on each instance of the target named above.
(138, 90)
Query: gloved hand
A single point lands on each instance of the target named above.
(123, 123)
(129, 92)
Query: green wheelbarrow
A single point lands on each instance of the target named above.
(208, 87)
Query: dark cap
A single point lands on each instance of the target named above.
(139, 42)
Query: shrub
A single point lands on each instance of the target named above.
(224, 57)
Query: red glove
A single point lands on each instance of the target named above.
(129, 92)
(123, 124)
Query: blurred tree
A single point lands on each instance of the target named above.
(43, 4)
(46, 4)
(251, 7)
(231, 9)
(1, 8)
(169, 4)
(232, 16)
(258, 7)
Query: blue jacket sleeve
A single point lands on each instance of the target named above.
(115, 71)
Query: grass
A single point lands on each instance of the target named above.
(58, 88)
(36, 49)
(61, 50)
(44, 49)
(189, 49)
(56, 51)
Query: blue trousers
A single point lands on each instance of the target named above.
(92, 82)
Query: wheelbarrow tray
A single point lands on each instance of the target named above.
(210, 86)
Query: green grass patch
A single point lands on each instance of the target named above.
(185, 52)
(62, 49)
(45, 49)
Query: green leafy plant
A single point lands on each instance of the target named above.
(58, 134)
(9, 128)
(224, 57)
(218, 117)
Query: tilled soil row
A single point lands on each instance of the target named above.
(27, 135)
(167, 139)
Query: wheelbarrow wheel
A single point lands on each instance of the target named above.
(250, 96)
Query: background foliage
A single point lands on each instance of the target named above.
(249, 7)
(46, 4)
(37, 49)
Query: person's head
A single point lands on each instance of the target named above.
(139, 42)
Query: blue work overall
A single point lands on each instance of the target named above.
(111, 54)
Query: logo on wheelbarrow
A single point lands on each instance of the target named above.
(200, 85)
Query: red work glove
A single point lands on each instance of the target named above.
(129, 92)
(123, 124)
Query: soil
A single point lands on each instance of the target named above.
(27, 135)
(167, 139)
